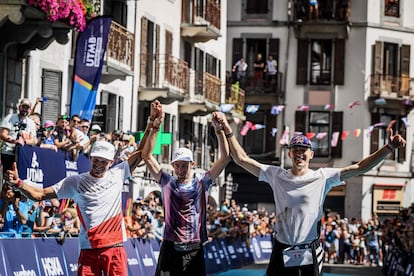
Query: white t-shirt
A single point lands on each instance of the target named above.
(12, 122)
(99, 205)
(299, 201)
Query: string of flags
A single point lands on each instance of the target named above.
(277, 109)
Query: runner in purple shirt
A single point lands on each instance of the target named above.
(185, 203)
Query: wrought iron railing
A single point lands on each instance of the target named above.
(121, 45)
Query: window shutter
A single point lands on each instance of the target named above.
(405, 60)
(375, 117)
(157, 54)
(144, 52)
(302, 63)
(237, 49)
(52, 90)
(274, 48)
(339, 62)
(301, 121)
(378, 57)
(337, 126)
(402, 151)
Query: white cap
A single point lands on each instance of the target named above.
(103, 149)
(182, 154)
(96, 127)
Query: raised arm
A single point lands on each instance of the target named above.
(135, 158)
(31, 192)
(151, 163)
(395, 141)
(223, 145)
(236, 151)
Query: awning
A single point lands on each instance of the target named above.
(394, 185)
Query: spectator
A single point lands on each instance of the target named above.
(313, 9)
(13, 211)
(271, 71)
(132, 223)
(48, 139)
(240, 67)
(70, 222)
(16, 128)
(61, 132)
(259, 66)
(84, 127)
(159, 226)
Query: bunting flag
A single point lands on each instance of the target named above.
(335, 137)
(276, 109)
(237, 120)
(90, 52)
(345, 134)
(274, 131)
(285, 136)
(369, 130)
(225, 108)
(380, 101)
(252, 108)
(407, 102)
(245, 128)
(328, 107)
(405, 121)
(303, 107)
(378, 124)
(321, 135)
(310, 135)
(353, 104)
(257, 126)
(357, 132)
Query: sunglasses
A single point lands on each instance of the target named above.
(76, 121)
(49, 128)
(84, 126)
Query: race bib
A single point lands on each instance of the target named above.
(297, 257)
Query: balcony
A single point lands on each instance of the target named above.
(163, 77)
(261, 90)
(397, 92)
(120, 51)
(27, 28)
(331, 17)
(206, 97)
(201, 20)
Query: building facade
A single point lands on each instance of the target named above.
(344, 73)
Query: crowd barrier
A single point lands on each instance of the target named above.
(46, 256)
(398, 263)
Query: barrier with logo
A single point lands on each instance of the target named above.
(398, 262)
(45, 256)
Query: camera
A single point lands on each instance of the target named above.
(20, 126)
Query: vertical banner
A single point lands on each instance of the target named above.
(90, 52)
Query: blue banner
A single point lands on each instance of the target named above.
(50, 257)
(149, 264)
(90, 52)
(70, 249)
(46, 167)
(134, 262)
(20, 257)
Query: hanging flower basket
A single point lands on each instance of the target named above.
(72, 12)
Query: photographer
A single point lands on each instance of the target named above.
(16, 128)
(14, 212)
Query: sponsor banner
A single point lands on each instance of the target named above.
(50, 257)
(144, 251)
(20, 257)
(232, 248)
(70, 250)
(134, 261)
(245, 255)
(214, 264)
(155, 246)
(90, 52)
(224, 255)
(46, 167)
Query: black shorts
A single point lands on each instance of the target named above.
(172, 262)
(276, 266)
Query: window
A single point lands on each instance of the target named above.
(326, 65)
(256, 6)
(52, 90)
(323, 124)
(392, 8)
(379, 135)
(321, 62)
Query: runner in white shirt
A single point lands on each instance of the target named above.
(98, 197)
(299, 195)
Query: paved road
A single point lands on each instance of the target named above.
(328, 270)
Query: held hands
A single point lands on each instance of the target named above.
(395, 141)
(219, 121)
